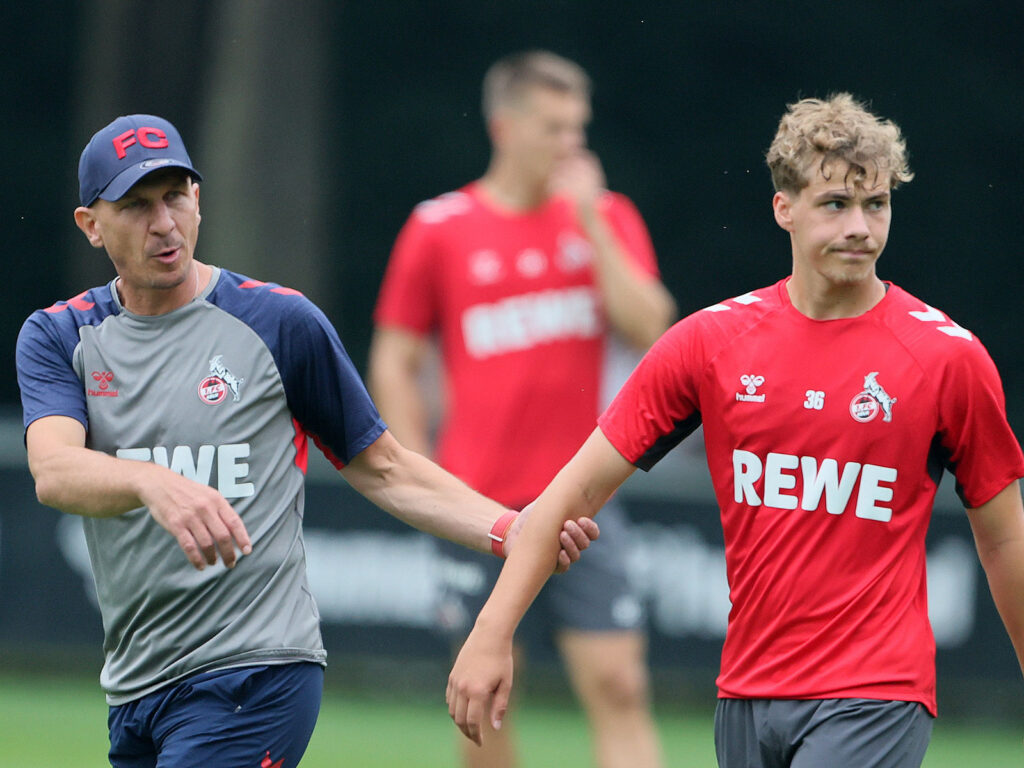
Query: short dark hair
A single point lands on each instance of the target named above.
(508, 78)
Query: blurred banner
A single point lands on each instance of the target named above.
(380, 585)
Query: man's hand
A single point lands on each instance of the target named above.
(81, 481)
(479, 684)
(199, 518)
(574, 537)
(580, 179)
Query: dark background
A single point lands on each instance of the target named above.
(319, 125)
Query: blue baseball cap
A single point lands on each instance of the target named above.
(126, 150)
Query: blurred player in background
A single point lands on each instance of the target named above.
(831, 402)
(178, 399)
(523, 275)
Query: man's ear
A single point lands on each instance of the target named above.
(85, 218)
(495, 130)
(782, 204)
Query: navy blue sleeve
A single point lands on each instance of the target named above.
(325, 392)
(46, 376)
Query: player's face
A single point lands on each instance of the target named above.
(547, 127)
(838, 231)
(150, 235)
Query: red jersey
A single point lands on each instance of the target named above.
(825, 441)
(521, 326)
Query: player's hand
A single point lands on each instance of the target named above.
(580, 179)
(199, 518)
(480, 684)
(574, 537)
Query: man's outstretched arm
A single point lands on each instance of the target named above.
(481, 680)
(420, 493)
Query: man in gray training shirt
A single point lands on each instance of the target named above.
(179, 399)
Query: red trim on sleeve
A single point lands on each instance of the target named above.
(279, 289)
(301, 446)
(338, 463)
(77, 302)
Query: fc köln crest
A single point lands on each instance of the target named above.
(873, 399)
(214, 389)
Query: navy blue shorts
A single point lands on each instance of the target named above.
(243, 717)
(595, 595)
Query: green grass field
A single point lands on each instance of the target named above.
(49, 723)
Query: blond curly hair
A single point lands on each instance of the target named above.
(836, 129)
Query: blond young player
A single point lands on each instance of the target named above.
(831, 403)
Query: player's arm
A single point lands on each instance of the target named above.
(639, 307)
(998, 527)
(481, 680)
(396, 360)
(418, 492)
(77, 480)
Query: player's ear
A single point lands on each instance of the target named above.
(195, 189)
(495, 130)
(782, 205)
(499, 126)
(85, 218)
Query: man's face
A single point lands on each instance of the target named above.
(150, 233)
(838, 230)
(544, 128)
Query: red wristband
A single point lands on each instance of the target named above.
(500, 530)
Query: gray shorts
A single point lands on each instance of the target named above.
(809, 733)
(595, 595)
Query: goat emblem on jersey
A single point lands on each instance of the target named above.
(866, 405)
(214, 388)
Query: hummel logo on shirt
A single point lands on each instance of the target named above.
(751, 382)
(103, 380)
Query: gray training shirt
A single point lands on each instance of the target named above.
(225, 390)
